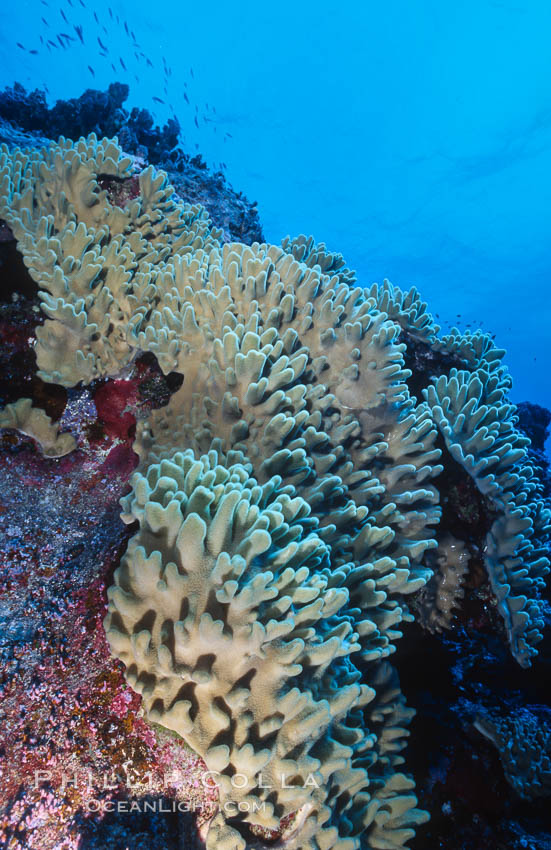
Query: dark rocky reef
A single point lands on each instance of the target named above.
(26, 119)
(535, 421)
(470, 680)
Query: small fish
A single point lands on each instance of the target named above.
(78, 29)
(53, 44)
(101, 44)
(82, 3)
(65, 35)
(70, 3)
(149, 62)
(34, 52)
(229, 135)
(91, 70)
(111, 12)
(191, 72)
(126, 28)
(42, 40)
(158, 99)
(196, 122)
(186, 98)
(96, 18)
(122, 63)
(20, 45)
(113, 67)
(64, 16)
(45, 22)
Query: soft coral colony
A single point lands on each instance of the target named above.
(288, 497)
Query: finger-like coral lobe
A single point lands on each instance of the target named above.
(34, 422)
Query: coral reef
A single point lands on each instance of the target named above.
(523, 741)
(295, 499)
(27, 121)
(478, 426)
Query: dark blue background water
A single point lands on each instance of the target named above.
(415, 138)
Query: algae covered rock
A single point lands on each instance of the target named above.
(523, 742)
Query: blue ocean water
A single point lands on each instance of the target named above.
(415, 138)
